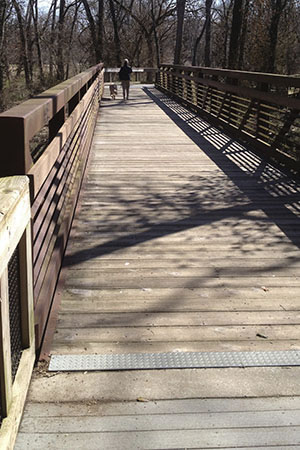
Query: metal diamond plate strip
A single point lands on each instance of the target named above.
(173, 360)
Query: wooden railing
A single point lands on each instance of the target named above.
(139, 74)
(17, 345)
(48, 138)
(260, 109)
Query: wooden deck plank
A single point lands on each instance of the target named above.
(196, 406)
(176, 334)
(171, 319)
(172, 421)
(88, 348)
(166, 439)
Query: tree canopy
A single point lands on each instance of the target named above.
(45, 41)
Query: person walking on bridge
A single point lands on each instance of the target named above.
(124, 76)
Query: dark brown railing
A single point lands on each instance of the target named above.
(48, 138)
(257, 108)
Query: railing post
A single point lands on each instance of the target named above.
(15, 156)
(26, 291)
(184, 85)
(194, 88)
(56, 123)
(5, 354)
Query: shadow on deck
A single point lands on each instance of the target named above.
(184, 240)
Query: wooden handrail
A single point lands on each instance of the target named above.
(257, 108)
(68, 111)
(21, 123)
(258, 77)
(139, 74)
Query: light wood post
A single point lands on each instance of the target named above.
(5, 353)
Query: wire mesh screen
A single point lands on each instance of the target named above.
(15, 311)
(1, 413)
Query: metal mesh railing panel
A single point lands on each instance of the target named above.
(15, 311)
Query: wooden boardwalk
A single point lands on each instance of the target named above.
(183, 240)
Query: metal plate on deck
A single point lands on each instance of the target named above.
(173, 360)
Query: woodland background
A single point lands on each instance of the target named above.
(43, 43)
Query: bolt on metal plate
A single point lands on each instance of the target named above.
(173, 360)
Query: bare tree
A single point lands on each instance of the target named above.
(24, 43)
(3, 8)
(277, 7)
(96, 28)
(208, 5)
(117, 41)
(52, 37)
(243, 35)
(236, 26)
(35, 15)
(60, 42)
(180, 8)
(197, 42)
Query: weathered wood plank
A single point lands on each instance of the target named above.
(172, 421)
(166, 439)
(89, 348)
(212, 405)
(124, 282)
(182, 299)
(176, 334)
(170, 319)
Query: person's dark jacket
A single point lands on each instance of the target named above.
(124, 73)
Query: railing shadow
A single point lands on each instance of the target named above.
(240, 210)
(240, 163)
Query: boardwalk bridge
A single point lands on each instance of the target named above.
(164, 229)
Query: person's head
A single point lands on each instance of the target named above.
(126, 62)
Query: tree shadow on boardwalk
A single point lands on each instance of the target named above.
(254, 186)
(153, 215)
(240, 163)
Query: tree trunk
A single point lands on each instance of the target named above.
(92, 27)
(35, 13)
(29, 39)
(60, 42)
(208, 4)
(116, 33)
(243, 35)
(277, 9)
(237, 20)
(197, 42)
(52, 38)
(180, 8)
(100, 32)
(156, 40)
(69, 44)
(150, 57)
(24, 47)
(227, 11)
(3, 7)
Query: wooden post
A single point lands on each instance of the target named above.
(5, 353)
(56, 123)
(26, 283)
(15, 156)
